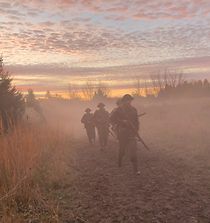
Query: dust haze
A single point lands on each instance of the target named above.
(173, 185)
(172, 125)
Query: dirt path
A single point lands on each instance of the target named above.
(169, 189)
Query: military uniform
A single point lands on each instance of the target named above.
(126, 119)
(88, 121)
(101, 119)
(114, 126)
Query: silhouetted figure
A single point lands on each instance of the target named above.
(101, 119)
(88, 121)
(114, 126)
(126, 119)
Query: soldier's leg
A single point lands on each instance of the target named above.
(133, 153)
(89, 135)
(100, 136)
(93, 135)
(106, 135)
(122, 148)
(103, 137)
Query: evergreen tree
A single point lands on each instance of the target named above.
(48, 95)
(32, 102)
(11, 100)
(31, 99)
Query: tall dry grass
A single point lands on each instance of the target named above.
(30, 162)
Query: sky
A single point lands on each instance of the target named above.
(49, 44)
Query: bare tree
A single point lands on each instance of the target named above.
(169, 78)
(146, 88)
(48, 95)
(73, 92)
(88, 90)
(157, 82)
(172, 78)
(138, 90)
(102, 91)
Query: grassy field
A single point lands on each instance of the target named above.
(31, 164)
(49, 173)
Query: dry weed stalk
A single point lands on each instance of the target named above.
(30, 156)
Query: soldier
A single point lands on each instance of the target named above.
(118, 103)
(101, 118)
(114, 127)
(88, 122)
(126, 118)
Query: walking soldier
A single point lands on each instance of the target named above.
(126, 119)
(114, 126)
(88, 122)
(101, 118)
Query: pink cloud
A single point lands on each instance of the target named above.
(68, 27)
(153, 9)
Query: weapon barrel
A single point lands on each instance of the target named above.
(142, 114)
(142, 141)
(138, 136)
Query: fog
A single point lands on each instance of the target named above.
(173, 185)
(176, 126)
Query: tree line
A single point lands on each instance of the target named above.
(89, 91)
(171, 85)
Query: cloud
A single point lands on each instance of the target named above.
(135, 70)
(72, 37)
(136, 9)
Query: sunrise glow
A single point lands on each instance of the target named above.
(48, 44)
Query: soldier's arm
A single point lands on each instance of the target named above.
(83, 119)
(95, 117)
(113, 116)
(108, 117)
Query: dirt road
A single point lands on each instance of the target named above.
(170, 188)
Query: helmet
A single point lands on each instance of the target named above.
(127, 97)
(87, 110)
(101, 105)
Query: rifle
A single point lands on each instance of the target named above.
(111, 133)
(136, 132)
(142, 141)
(137, 135)
(142, 114)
